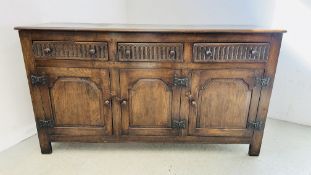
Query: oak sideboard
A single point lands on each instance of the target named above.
(150, 83)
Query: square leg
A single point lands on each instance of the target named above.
(254, 150)
(255, 145)
(45, 143)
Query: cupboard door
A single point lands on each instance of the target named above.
(150, 104)
(223, 101)
(77, 100)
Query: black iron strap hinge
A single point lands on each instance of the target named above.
(179, 124)
(263, 81)
(38, 80)
(180, 81)
(46, 123)
(258, 125)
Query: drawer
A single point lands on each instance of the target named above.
(70, 50)
(150, 52)
(230, 52)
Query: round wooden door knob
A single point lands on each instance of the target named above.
(193, 102)
(107, 102)
(123, 102)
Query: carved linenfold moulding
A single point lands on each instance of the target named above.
(70, 50)
(231, 52)
(151, 52)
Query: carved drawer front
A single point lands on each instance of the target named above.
(230, 52)
(70, 50)
(150, 52)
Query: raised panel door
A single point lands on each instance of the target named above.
(77, 100)
(223, 101)
(152, 102)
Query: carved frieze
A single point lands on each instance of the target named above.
(150, 52)
(231, 52)
(70, 50)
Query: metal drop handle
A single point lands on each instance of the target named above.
(127, 53)
(253, 52)
(92, 51)
(208, 53)
(47, 50)
(172, 53)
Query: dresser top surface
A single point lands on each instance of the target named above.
(106, 27)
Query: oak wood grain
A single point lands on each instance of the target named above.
(221, 99)
(98, 91)
(152, 100)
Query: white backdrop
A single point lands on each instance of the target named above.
(16, 115)
(292, 89)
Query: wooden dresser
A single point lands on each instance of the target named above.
(149, 83)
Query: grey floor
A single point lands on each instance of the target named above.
(286, 149)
